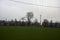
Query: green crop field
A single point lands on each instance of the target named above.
(28, 33)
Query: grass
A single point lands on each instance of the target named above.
(28, 33)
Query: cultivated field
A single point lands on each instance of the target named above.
(28, 33)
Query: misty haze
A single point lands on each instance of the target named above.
(29, 19)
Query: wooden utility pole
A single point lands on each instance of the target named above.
(40, 19)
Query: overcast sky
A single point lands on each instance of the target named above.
(11, 9)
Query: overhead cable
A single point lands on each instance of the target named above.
(34, 4)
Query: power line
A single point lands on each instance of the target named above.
(33, 4)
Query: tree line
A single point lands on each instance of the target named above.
(29, 16)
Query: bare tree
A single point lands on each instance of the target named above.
(29, 17)
(23, 18)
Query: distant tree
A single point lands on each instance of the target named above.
(2, 22)
(51, 23)
(23, 18)
(36, 22)
(56, 24)
(15, 21)
(45, 23)
(29, 17)
(11, 22)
